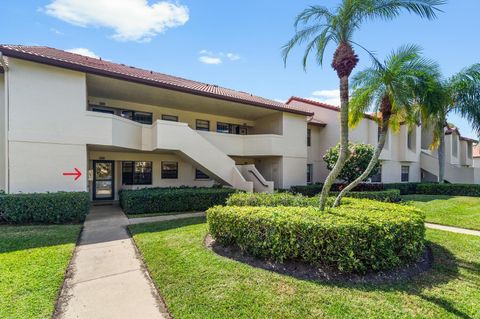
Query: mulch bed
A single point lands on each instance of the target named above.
(303, 271)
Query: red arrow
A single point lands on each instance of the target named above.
(77, 173)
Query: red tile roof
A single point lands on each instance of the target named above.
(317, 122)
(85, 64)
(321, 104)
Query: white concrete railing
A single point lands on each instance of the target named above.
(453, 174)
(260, 184)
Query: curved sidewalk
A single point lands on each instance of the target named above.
(453, 229)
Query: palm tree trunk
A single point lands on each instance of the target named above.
(441, 157)
(344, 153)
(370, 167)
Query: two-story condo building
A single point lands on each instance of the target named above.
(76, 123)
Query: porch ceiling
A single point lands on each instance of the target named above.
(133, 92)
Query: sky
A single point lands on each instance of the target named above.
(235, 44)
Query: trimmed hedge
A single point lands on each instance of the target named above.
(359, 237)
(48, 208)
(164, 200)
(315, 189)
(272, 200)
(448, 189)
(405, 188)
(389, 196)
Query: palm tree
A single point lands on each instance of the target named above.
(321, 26)
(394, 89)
(460, 94)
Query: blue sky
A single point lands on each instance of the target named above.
(235, 44)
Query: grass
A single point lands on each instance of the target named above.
(33, 261)
(158, 214)
(459, 211)
(197, 283)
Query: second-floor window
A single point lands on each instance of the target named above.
(136, 173)
(172, 118)
(229, 128)
(309, 137)
(140, 117)
(202, 125)
(454, 145)
(405, 173)
(469, 150)
(410, 140)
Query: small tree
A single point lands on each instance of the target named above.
(356, 164)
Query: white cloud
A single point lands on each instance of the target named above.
(209, 60)
(84, 51)
(209, 57)
(326, 96)
(56, 31)
(132, 20)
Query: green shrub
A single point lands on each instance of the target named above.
(308, 190)
(405, 188)
(276, 199)
(389, 196)
(448, 189)
(355, 165)
(51, 208)
(315, 189)
(182, 199)
(359, 237)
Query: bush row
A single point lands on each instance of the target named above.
(405, 188)
(164, 200)
(52, 208)
(358, 237)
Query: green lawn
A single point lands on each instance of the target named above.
(33, 260)
(459, 211)
(196, 283)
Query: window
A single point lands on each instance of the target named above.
(377, 177)
(203, 125)
(454, 145)
(410, 140)
(103, 110)
(309, 173)
(171, 118)
(200, 175)
(169, 170)
(405, 173)
(231, 128)
(469, 150)
(139, 117)
(136, 173)
(309, 137)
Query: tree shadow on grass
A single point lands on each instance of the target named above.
(165, 225)
(15, 238)
(445, 269)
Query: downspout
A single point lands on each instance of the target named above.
(4, 65)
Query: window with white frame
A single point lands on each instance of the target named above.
(309, 173)
(405, 173)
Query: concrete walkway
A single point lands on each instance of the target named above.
(106, 278)
(454, 229)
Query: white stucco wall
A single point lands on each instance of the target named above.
(46, 120)
(3, 137)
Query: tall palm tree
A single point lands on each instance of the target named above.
(459, 94)
(394, 89)
(320, 26)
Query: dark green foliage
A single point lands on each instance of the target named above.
(357, 237)
(389, 196)
(48, 208)
(356, 164)
(448, 189)
(182, 199)
(289, 199)
(405, 188)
